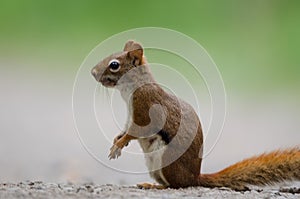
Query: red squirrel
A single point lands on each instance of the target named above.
(170, 133)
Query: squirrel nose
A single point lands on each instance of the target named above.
(95, 73)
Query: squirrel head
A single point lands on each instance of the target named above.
(109, 71)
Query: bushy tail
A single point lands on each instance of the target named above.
(266, 169)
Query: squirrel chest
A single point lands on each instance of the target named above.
(150, 114)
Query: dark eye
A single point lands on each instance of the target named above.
(114, 65)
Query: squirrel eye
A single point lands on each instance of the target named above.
(114, 65)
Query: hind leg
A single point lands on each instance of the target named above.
(183, 172)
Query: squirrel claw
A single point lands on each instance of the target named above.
(115, 152)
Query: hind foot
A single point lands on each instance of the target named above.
(150, 186)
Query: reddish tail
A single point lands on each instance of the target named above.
(266, 169)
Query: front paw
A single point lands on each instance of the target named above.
(115, 152)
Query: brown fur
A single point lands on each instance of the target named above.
(181, 165)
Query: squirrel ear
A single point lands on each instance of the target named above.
(132, 45)
(134, 52)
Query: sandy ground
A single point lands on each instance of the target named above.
(38, 189)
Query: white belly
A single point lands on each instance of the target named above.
(153, 148)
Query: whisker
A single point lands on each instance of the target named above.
(103, 95)
(108, 96)
(100, 91)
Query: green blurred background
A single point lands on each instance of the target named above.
(259, 40)
(254, 43)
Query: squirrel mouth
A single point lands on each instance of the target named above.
(108, 83)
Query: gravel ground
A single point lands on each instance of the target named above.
(39, 189)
